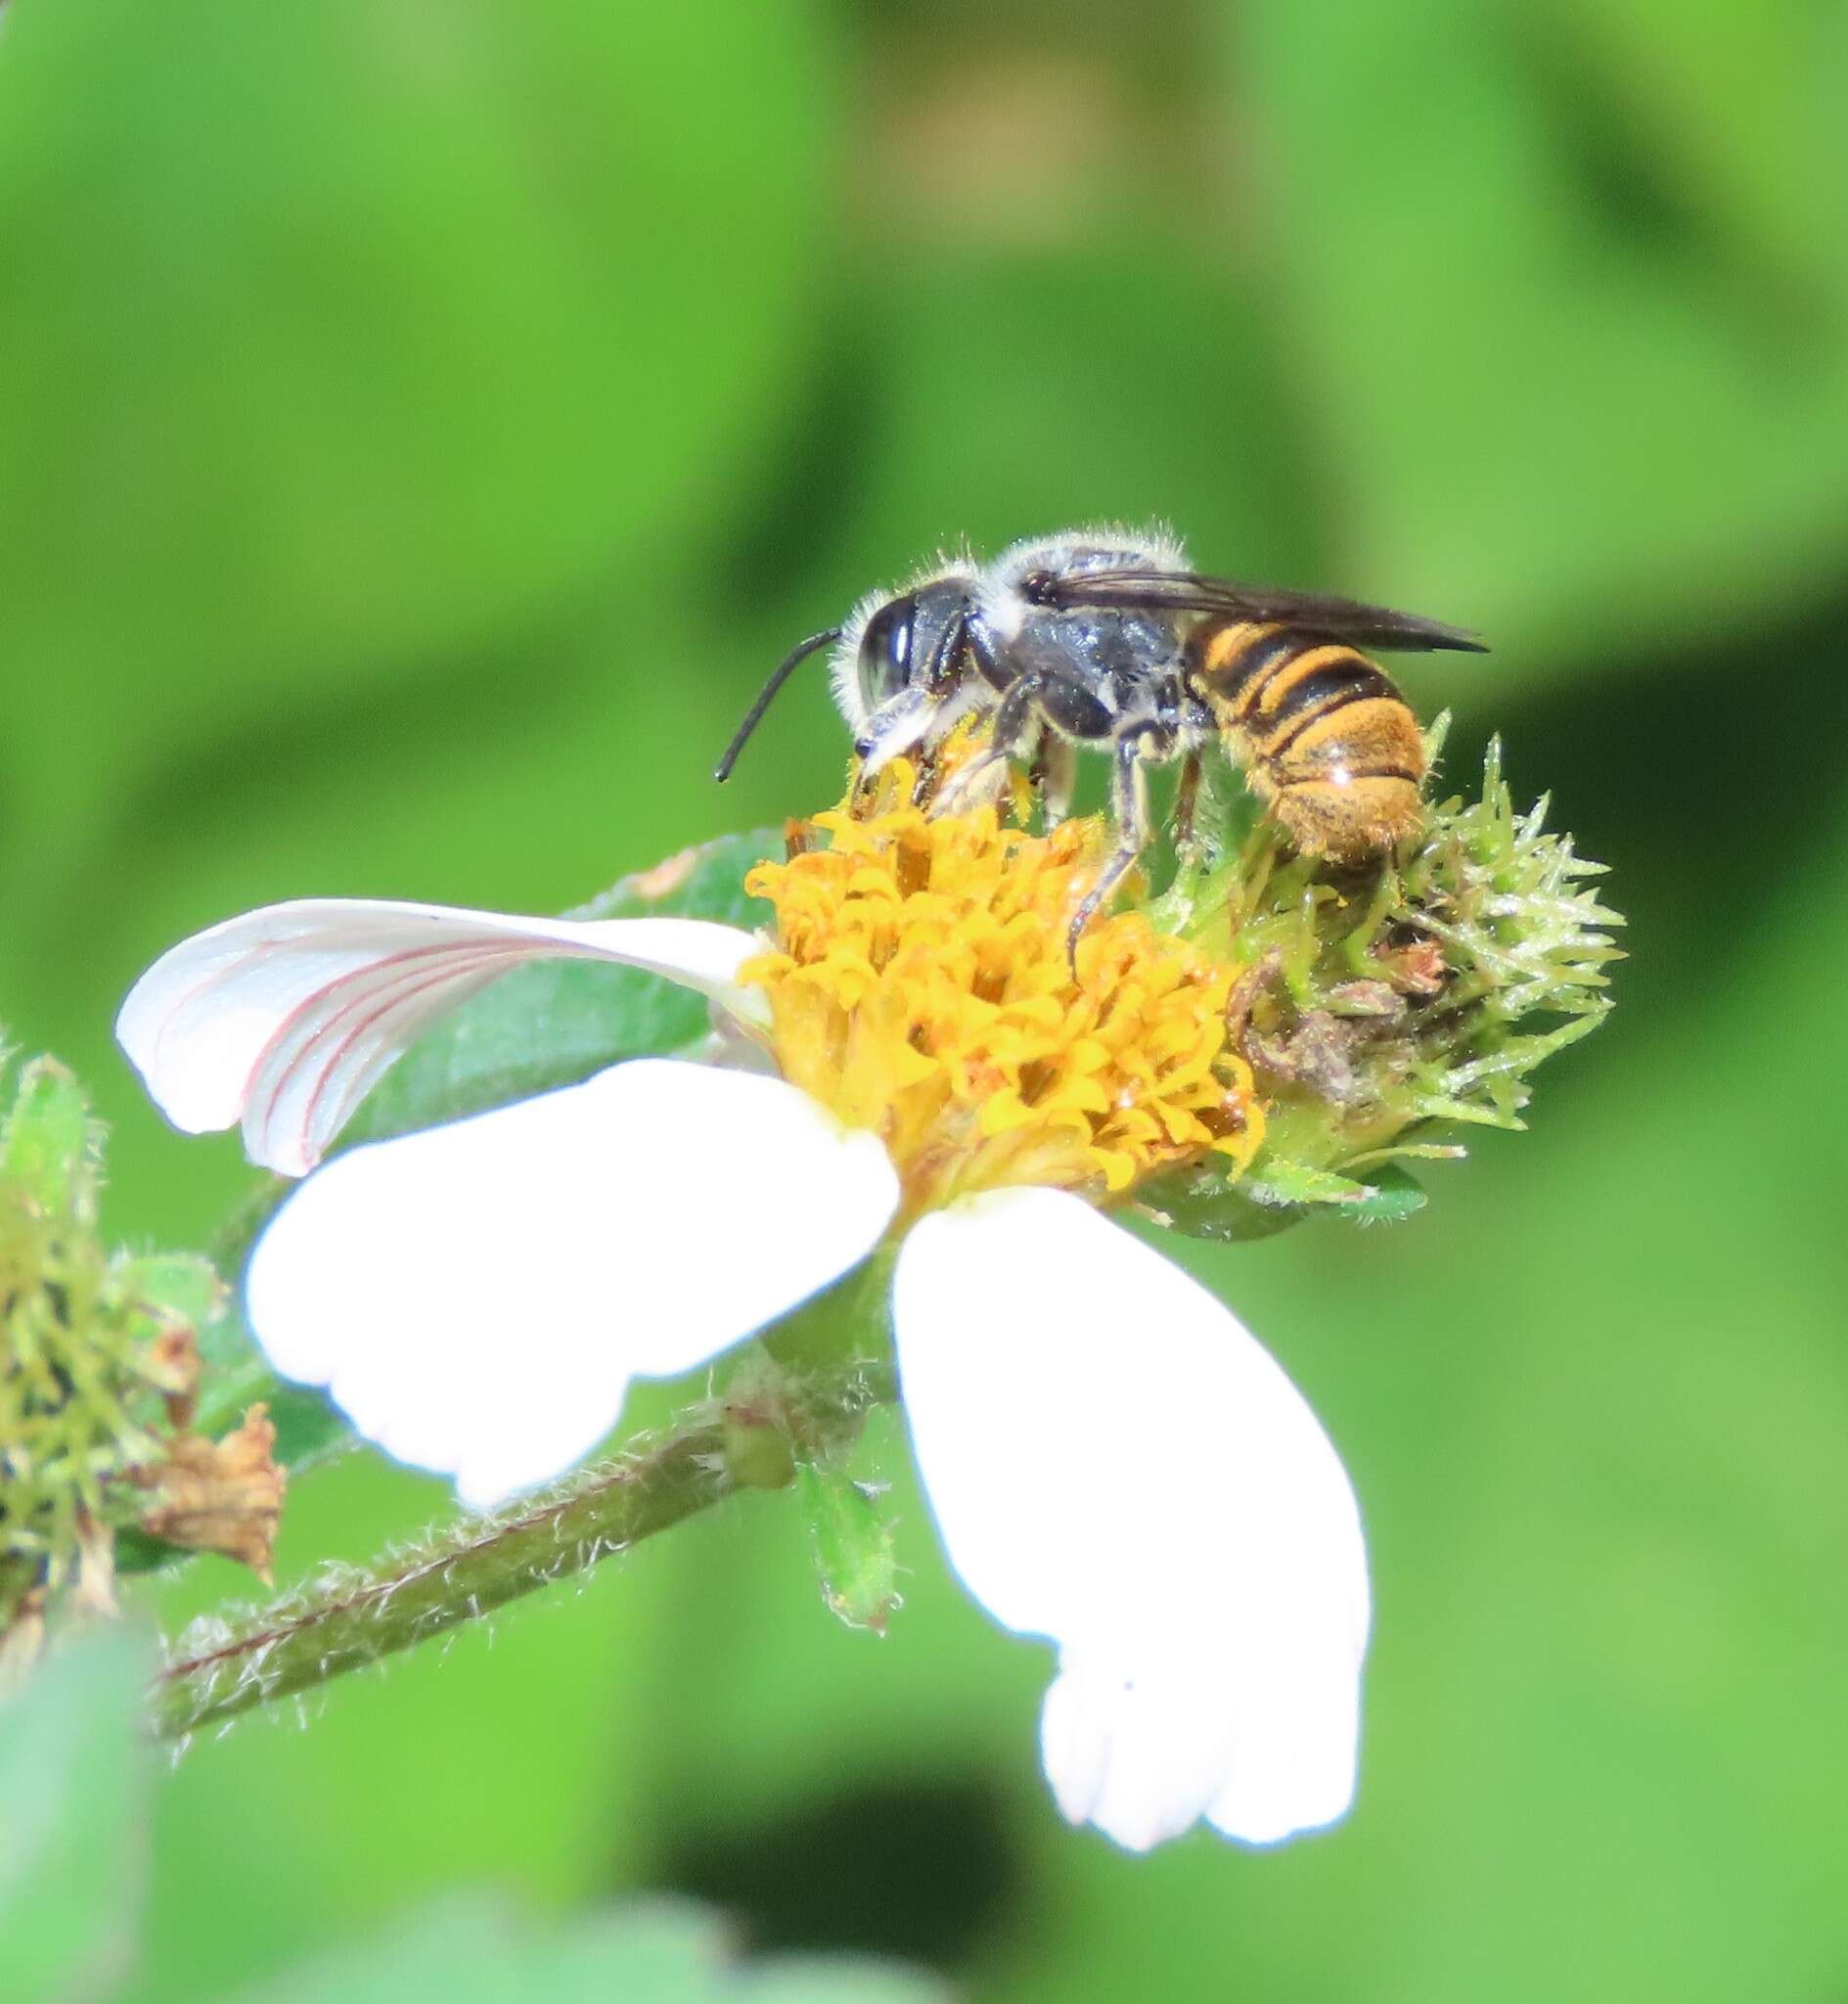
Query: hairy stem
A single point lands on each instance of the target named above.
(345, 1620)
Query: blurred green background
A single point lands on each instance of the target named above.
(423, 422)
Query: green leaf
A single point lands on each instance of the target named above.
(543, 1025)
(1387, 1195)
(661, 1954)
(856, 1557)
(72, 1780)
(1390, 1194)
(1201, 1203)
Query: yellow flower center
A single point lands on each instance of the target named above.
(923, 990)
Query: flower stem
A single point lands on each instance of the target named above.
(801, 1393)
(345, 1620)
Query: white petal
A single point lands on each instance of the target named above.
(1115, 1463)
(286, 1018)
(477, 1297)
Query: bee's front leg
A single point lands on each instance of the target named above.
(1015, 722)
(895, 727)
(1129, 802)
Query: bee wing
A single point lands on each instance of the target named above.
(1317, 612)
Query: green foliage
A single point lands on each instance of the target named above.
(73, 1781)
(74, 1785)
(1604, 300)
(468, 1955)
(368, 371)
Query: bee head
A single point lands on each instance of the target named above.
(911, 640)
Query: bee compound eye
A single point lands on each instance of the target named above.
(885, 650)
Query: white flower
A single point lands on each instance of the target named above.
(1114, 1462)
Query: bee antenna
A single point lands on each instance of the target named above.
(767, 694)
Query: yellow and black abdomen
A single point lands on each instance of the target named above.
(1330, 746)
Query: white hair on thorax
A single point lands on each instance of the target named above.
(1092, 546)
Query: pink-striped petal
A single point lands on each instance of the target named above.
(282, 1020)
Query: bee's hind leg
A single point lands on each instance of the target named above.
(1129, 802)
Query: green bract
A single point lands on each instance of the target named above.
(1383, 1004)
(97, 1356)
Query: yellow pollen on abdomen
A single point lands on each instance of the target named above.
(920, 987)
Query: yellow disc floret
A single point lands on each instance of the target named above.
(923, 990)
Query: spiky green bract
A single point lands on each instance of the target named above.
(1386, 1004)
(1525, 938)
(97, 1350)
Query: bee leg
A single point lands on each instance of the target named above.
(894, 727)
(1054, 776)
(1129, 802)
(1187, 801)
(1036, 765)
(966, 783)
(926, 784)
(1014, 717)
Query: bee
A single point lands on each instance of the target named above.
(1108, 637)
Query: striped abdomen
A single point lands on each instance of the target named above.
(1330, 746)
